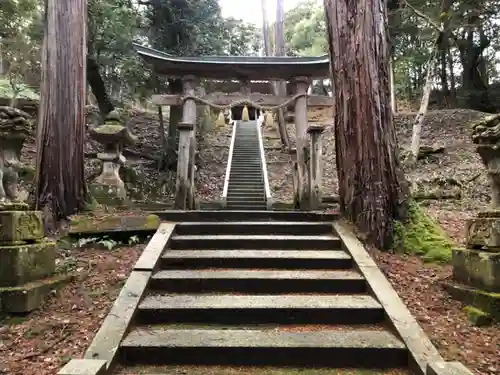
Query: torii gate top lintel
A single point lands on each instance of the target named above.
(237, 67)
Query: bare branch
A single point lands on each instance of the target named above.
(424, 16)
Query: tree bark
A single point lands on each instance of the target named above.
(60, 181)
(372, 188)
(424, 105)
(279, 87)
(98, 88)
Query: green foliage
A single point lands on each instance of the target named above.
(24, 92)
(422, 236)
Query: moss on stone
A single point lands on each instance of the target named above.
(24, 263)
(477, 317)
(421, 235)
(113, 222)
(487, 302)
(109, 128)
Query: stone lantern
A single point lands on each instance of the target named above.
(109, 188)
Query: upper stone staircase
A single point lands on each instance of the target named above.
(246, 186)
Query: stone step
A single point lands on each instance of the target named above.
(249, 193)
(248, 184)
(246, 177)
(245, 198)
(255, 206)
(254, 172)
(260, 309)
(239, 183)
(264, 215)
(247, 208)
(285, 242)
(245, 202)
(259, 281)
(255, 227)
(260, 259)
(356, 348)
(244, 192)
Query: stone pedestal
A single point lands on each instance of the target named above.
(476, 269)
(109, 188)
(27, 260)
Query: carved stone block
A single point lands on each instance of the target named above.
(19, 226)
(483, 232)
(476, 268)
(20, 264)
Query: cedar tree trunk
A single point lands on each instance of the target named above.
(60, 182)
(371, 187)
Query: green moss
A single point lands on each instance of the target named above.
(421, 235)
(477, 317)
(109, 128)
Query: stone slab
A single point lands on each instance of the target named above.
(234, 302)
(21, 226)
(488, 302)
(84, 224)
(154, 249)
(483, 232)
(259, 254)
(117, 322)
(447, 368)
(84, 367)
(480, 269)
(259, 274)
(250, 237)
(28, 297)
(21, 264)
(159, 337)
(421, 349)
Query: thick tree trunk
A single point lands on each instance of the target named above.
(372, 188)
(279, 87)
(98, 88)
(60, 181)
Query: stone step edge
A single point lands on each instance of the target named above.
(178, 338)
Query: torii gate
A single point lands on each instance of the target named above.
(298, 71)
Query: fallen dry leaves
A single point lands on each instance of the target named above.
(442, 318)
(40, 343)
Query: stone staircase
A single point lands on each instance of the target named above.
(258, 292)
(246, 186)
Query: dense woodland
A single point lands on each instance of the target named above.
(460, 37)
(445, 45)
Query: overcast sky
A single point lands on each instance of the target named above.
(250, 10)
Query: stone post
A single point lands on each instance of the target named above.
(315, 166)
(295, 176)
(302, 142)
(183, 179)
(478, 266)
(27, 259)
(189, 121)
(109, 188)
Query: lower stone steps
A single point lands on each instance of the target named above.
(248, 370)
(246, 241)
(260, 309)
(227, 292)
(261, 259)
(258, 281)
(360, 348)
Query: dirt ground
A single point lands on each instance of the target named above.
(40, 343)
(63, 328)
